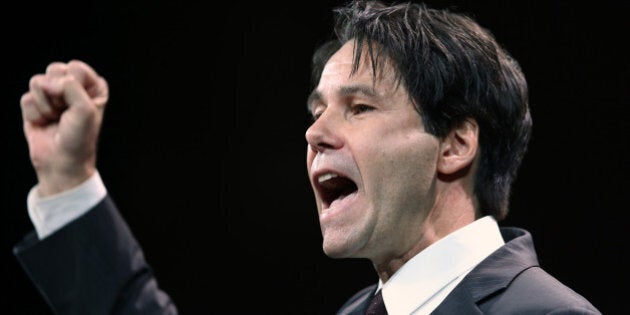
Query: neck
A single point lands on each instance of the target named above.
(454, 208)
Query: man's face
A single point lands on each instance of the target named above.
(371, 164)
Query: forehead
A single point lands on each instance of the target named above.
(338, 69)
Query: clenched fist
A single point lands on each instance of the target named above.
(62, 112)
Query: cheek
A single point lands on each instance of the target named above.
(402, 168)
(418, 170)
(419, 156)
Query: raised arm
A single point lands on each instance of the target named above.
(86, 260)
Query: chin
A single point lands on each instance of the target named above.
(338, 247)
(334, 253)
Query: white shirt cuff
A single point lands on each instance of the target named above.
(51, 213)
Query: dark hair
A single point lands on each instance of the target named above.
(453, 70)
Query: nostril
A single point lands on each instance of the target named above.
(320, 146)
(313, 148)
(324, 145)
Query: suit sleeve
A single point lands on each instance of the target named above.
(94, 265)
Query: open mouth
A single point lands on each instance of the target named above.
(333, 186)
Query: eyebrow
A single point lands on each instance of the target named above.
(343, 91)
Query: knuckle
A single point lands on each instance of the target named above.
(26, 98)
(33, 81)
(56, 67)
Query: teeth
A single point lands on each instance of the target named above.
(326, 177)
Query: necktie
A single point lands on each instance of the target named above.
(377, 307)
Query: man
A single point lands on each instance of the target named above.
(420, 123)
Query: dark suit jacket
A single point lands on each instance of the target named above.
(93, 265)
(509, 281)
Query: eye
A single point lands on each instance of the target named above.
(315, 114)
(361, 108)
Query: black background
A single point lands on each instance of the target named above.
(203, 144)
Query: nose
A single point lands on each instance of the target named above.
(323, 134)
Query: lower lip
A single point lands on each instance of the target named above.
(338, 207)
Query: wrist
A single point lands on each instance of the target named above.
(58, 182)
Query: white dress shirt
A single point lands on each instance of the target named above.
(51, 213)
(420, 285)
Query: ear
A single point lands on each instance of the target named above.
(458, 149)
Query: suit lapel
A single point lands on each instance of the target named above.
(459, 301)
(491, 275)
(358, 304)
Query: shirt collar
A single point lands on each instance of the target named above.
(439, 264)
